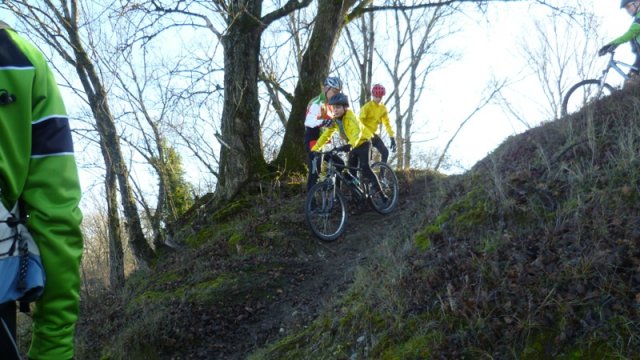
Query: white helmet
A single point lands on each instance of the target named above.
(333, 82)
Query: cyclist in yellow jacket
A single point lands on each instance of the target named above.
(372, 114)
(357, 136)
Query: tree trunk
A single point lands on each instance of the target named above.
(241, 158)
(409, 119)
(108, 135)
(109, 139)
(114, 233)
(313, 70)
(110, 143)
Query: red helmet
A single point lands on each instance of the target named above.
(378, 91)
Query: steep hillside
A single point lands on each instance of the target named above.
(532, 254)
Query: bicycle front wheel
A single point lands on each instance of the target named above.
(389, 184)
(583, 93)
(325, 212)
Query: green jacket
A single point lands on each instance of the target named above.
(632, 35)
(37, 163)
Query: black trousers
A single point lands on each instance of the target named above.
(8, 331)
(360, 157)
(379, 144)
(635, 48)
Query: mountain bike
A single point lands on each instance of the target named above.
(326, 207)
(590, 90)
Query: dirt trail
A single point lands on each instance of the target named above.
(324, 272)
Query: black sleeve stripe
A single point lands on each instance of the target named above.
(51, 136)
(10, 54)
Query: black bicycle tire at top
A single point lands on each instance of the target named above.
(394, 201)
(565, 101)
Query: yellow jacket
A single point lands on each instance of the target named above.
(372, 114)
(350, 129)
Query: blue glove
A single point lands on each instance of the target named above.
(344, 148)
(393, 144)
(607, 49)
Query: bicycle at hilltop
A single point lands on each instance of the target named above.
(589, 90)
(326, 208)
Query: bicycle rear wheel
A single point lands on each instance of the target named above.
(582, 93)
(325, 212)
(389, 184)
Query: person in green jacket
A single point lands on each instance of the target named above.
(632, 36)
(38, 167)
(357, 136)
(374, 113)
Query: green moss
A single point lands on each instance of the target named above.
(473, 209)
(416, 347)
(544, 346)
(154, 298)
(235, 239)
(462, 216)
(422, 238)
(231, 208)
(201, 237)
(169, 277)
(212, 291)
(266, 228)
(489, 244)
(239, 244)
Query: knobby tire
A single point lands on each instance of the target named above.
(389, 183)
(606, 90)
(325, 212)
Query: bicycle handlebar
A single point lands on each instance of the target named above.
(329, 152)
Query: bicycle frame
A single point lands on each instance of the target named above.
(335, 171)
(615, 65)
(588, 90)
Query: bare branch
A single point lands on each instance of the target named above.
(288, 8)
(497, 86)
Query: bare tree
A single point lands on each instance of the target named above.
(554, 61)
(419, 32)
(241, 156)
(362, 51)
(492, 90)
(148, 119)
